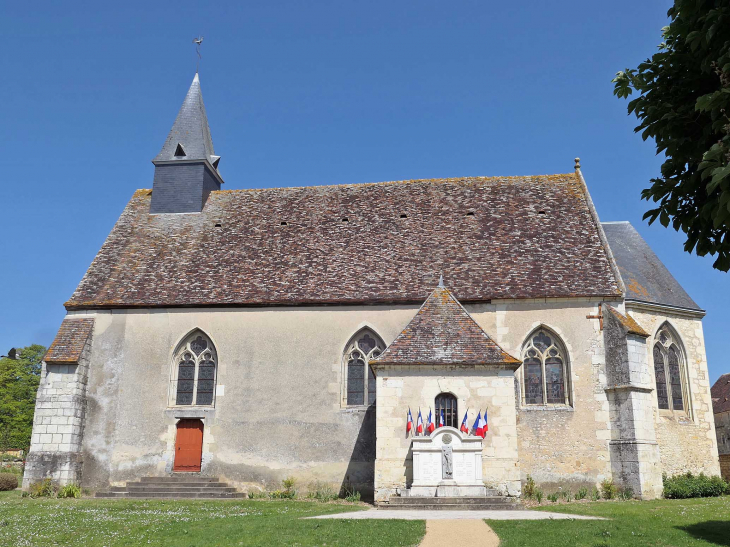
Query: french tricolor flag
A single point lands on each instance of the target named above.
(477, 423)
(419, 424)
(409, 425)
(464, 428)
(430, 427)
(481, 426)
(442, 419)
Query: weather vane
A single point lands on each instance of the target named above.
(197, 41)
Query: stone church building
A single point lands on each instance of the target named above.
(263, 333)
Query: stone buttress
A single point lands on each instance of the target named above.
(58, 425)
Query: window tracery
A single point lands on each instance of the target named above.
(360, 378)
(195, 370)
(544, 373)
(668, 370)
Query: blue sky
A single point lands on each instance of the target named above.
(302, 93)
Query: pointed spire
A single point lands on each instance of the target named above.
(441, 281)
(190, 132)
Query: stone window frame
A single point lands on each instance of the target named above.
(674, 339)
(558, 343)
(180, 348)
(447, 395)
(349, 348)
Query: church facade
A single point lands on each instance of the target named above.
(261, 334)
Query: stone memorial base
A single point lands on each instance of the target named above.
(447, 489)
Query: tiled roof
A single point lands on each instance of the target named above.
(720, 394)
(646, 278)
(441, 333)
(69, 341)
(510, 237)
(628, 322)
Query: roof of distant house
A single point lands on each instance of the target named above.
(501, 237)
(645, 277)
(442, 333)
(720, 394)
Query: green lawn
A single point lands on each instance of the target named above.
(92, 523)
(648, 523)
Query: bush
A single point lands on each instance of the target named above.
(595, 495)
(690, 486)
(70, 491)
(538, 495)
(353, 497)
(288, 483)
(529, 488)
(553, 497)
(568, 495)
(582, 493)
(42, 489)
(626, 493)
(8, 481)
(321, 491)
(608, 489)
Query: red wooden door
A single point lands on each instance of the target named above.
(188, 445)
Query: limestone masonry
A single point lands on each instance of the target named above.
(260, 334)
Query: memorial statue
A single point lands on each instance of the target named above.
(447, 462)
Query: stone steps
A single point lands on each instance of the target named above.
(489, 503)
(174, 487)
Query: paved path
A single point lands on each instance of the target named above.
(453, 515)
(470, 533)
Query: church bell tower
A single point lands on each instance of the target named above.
(186, 169)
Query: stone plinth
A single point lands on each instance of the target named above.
(432, 476)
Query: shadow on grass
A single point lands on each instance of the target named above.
(713, 531)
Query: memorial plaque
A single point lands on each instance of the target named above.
(447, 462)
(430, 467)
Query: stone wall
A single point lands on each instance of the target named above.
(687, 440)
(58, 423)
(402, 387)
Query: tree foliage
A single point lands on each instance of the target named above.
(19, 379)
(684, 104)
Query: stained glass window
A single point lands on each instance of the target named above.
(668, 368)
(544, 371)
(361, 384)
(196, 366)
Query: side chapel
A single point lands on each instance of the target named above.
(262, 333)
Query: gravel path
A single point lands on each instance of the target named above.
(470, 533)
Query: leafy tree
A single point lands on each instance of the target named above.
(684, 104)
(19, 379)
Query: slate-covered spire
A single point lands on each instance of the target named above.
(189, 137)
(186, 169)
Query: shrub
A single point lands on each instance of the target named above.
(288, 483)
(8, 481)
(321, 491)
(538, 495)
(690, 486)
(529, 488)
(568, 495)
(553, 497)
(257, 494)
(353, 497)
(608, 489)
(582, 493)
(70, 491)
(42, 489)
(283, 494)
(626, 493)
(595, 495)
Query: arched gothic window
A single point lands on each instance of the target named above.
(364, 346)
(668, 369)
(544, 370)
(195, 364)
(447, 403)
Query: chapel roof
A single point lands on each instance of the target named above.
(70, 340)
(720, 394)
(500, 237)
(443, 333)
(645, 277)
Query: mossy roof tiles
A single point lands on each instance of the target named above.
(528, 237)
(70, 340)
(443, 333)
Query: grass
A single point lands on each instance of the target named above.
(676, 523)
(95, 523)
